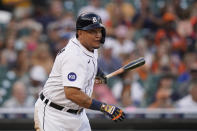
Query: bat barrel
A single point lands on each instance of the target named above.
(134, 64)
(130, 66)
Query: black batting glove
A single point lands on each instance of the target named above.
(100, 77)
(100, 80)
(113, 112)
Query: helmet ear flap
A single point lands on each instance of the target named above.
(103, 35)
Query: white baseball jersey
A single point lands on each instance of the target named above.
(74, 66)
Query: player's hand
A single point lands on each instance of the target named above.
(113, 112)
(100, 80)
(100, 77)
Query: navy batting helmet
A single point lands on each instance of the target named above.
(89, 21)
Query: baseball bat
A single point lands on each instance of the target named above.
(130, 66)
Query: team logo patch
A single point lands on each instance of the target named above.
(72, 76)
(94, 19)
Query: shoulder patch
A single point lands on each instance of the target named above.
(72, 76)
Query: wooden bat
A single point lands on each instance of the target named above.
(132, 65)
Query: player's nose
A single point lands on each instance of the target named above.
(98, 35)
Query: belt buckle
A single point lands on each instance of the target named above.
(79, 111)
(64, 109)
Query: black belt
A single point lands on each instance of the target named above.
(58, 107)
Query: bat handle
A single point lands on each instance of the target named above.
(119, 71)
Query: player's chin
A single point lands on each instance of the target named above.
(97, 45)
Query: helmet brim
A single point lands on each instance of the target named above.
(91, 27)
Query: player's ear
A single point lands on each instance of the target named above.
(79, 33)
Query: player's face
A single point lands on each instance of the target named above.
(92, 38)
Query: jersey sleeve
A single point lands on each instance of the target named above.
(73, 72)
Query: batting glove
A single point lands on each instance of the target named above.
(113, 112)
(100, 77)
(100, 80)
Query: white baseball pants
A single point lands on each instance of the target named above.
(47, 118)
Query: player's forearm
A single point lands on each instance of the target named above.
(81, 99)
(78, 97)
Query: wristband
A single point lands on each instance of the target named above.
(96, 105)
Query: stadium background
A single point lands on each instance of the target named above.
(160, 95)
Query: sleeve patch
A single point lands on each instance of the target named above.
(72, 76)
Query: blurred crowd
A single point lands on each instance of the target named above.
(164, 32)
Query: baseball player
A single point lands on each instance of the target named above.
(69, 87)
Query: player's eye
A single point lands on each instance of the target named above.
(94, 31)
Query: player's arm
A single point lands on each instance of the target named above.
(83, 100)
(77, 96)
